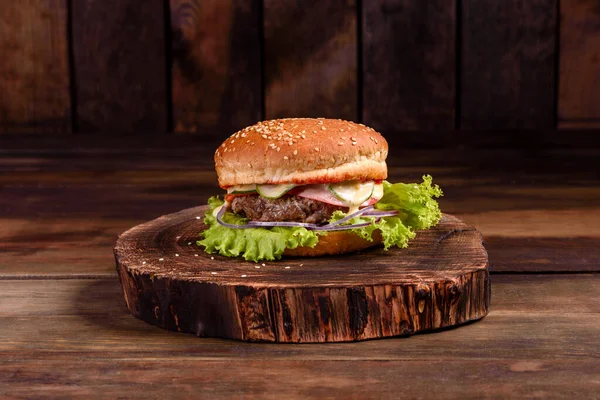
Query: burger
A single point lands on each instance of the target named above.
(311, 187)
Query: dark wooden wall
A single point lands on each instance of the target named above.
(214, 66)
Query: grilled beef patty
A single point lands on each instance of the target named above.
(286, 208)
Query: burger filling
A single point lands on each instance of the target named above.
(313, 204)
(286, 208)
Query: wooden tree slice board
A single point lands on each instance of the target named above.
(440, 280)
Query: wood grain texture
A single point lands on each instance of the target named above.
(64, 199)
(34, 71)
(508, 64)
(49, 247)
(579, 84)
(409, 64)
(533, 317)
(310, 59)
(77, 337)
(119, 73)
(538, 210)
(217, 379)
(216, 65)
(526, 254)
(441, 280)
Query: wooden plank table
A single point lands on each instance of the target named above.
(66, 331)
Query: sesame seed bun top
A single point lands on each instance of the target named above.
(301, 151)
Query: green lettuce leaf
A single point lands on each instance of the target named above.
(254, 244)
(415, 203)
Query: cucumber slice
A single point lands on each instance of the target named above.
(378, 191)
(353, 192)
(242, 189)
(274, 191)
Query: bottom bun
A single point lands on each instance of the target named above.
(336, 242)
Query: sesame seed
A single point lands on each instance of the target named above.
(376, 141)
(161, 259)
(285, 158)
(189, 243)
(278, 149)
(344, 137)
(303, 136)
(257, 266)
(263, 264)
(212, 258)
(214, 273)
(197, 217)
(323, 128)
(244, 275)
(288, 267)
(195, 255)
(232, 140)
(353, 139)
(176, 255)
(295, 152)
(353, 143)
(301, 264)
(341, 143)
(264, 136)
(143, 262)
(316, 149)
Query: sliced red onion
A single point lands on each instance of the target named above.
(331, 227)
(268, 224)
(380, 213)
(219, 217)
(353, 215)
(334, 226)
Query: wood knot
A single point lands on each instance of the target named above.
(422, 294)
(406, 328)
(454, 292)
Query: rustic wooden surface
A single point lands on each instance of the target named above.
(310, 59)
(67, 331)
(440, 281)
(508, 64)
(408, 58)
(579, 85)
(34, 67)
(119, 62)
(216, 65)
(212, 66)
